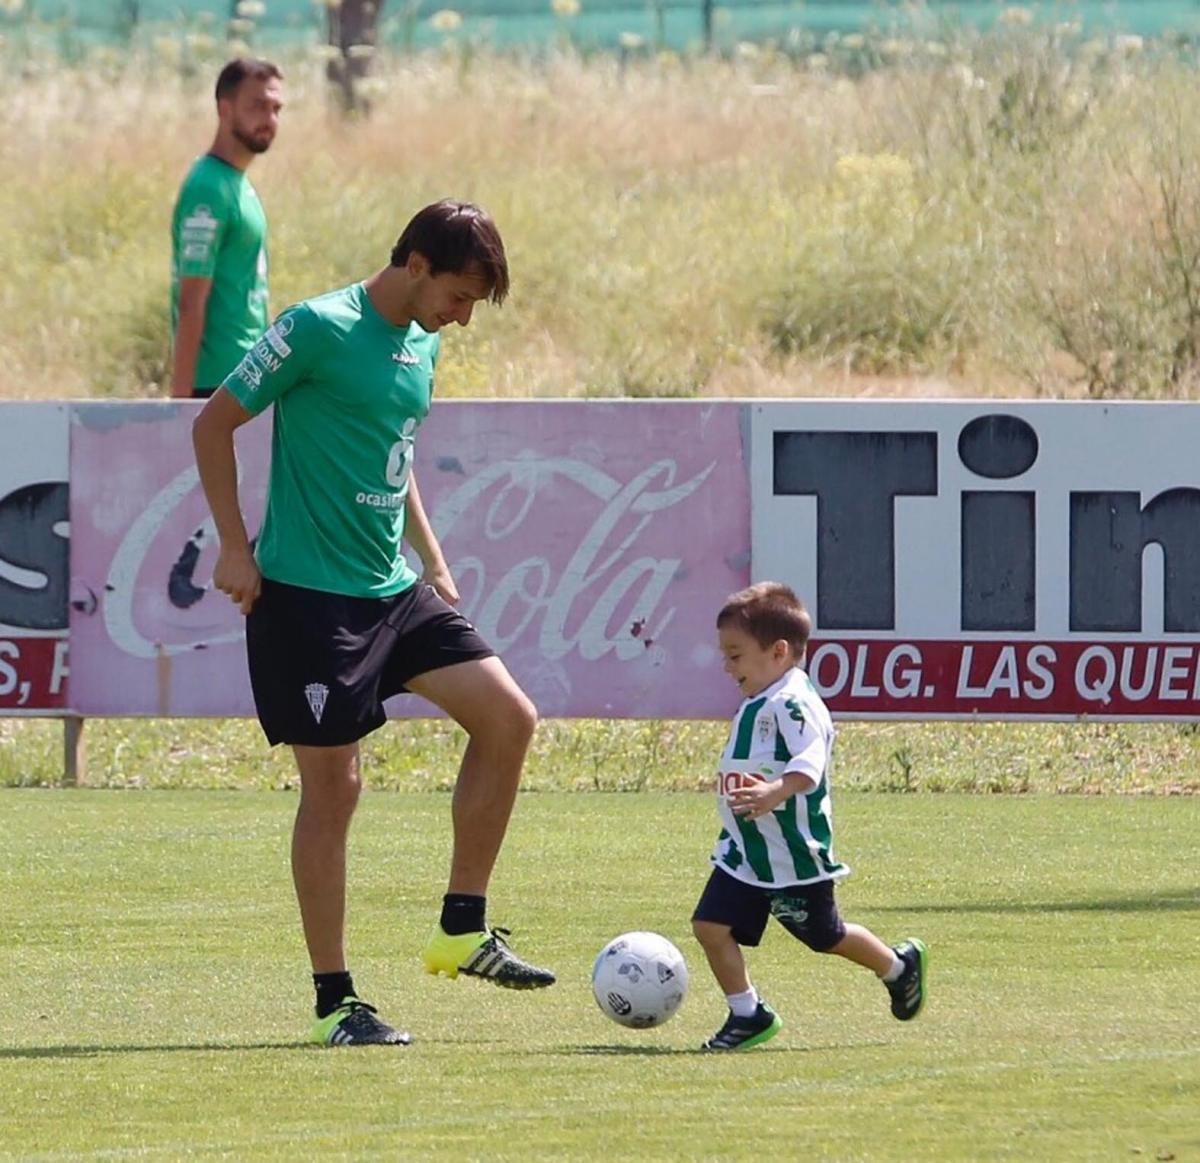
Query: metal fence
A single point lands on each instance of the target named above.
(590, 24)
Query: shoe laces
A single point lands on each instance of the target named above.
(355, 1005)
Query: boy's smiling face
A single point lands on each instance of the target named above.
(751, 666)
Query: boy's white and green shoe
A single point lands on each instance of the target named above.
(485, 955)
(354, 1023)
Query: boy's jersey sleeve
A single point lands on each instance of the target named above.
(202, 218)
(806, 744)
(284, 356)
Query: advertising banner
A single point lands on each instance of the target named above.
(592, 543)
(996, 559)
(34, 566)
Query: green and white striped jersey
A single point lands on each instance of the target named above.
(781, 729)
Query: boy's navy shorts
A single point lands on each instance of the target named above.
(807, 911)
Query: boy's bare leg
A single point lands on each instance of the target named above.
(863, 948)
(725, 957)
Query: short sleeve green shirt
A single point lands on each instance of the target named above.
(219, 232)
(350, 390)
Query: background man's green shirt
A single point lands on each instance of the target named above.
(350, 390)
(219, 232)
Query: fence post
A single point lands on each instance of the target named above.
(74, 752)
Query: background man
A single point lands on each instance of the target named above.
(219, 235)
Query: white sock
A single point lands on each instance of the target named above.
(743, 1005)
(895, 971)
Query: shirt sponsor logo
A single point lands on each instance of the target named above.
(730, 781)
(249, 372)
(274, 337)
(202, 219)
(267, 355)
(264, 353)
(198, 232)
(407, 358)
(382, 500)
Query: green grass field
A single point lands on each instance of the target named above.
(153, 988)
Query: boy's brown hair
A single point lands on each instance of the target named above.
(768, 612)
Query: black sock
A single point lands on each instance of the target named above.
(332, 988)
(462, 913)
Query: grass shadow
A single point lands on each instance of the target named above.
(600, 1050)
(18, 1052)
(1182, 901)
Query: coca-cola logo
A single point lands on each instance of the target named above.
(594, 591)
(591, 547)
(605, 596)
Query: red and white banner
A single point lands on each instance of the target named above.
(876, 678)
(993, 559)
(34, 567)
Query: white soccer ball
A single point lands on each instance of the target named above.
(639, 980)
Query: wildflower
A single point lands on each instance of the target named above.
(1017, 17)
(446, 20)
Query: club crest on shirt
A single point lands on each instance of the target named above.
(765, 728)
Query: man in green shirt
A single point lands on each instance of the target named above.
(337, 620)
(219, 235)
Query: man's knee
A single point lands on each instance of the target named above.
(513, 718)
(329, 782)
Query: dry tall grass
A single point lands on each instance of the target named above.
(1020, 213)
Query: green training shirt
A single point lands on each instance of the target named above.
(783, 728)
(219, 232)
(350, 390)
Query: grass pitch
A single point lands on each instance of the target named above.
(154, 992)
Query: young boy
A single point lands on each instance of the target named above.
(774, 856)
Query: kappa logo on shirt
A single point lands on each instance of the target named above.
(317, 693)
(407, 358)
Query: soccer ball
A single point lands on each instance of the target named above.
(639, 980)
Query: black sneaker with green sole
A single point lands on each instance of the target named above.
(908, 990)
(745, 1033)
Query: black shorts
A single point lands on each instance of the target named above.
(321, 664)
(807, 911)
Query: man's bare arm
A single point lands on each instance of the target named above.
(189, 331)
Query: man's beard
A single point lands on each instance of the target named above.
(253, 144)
